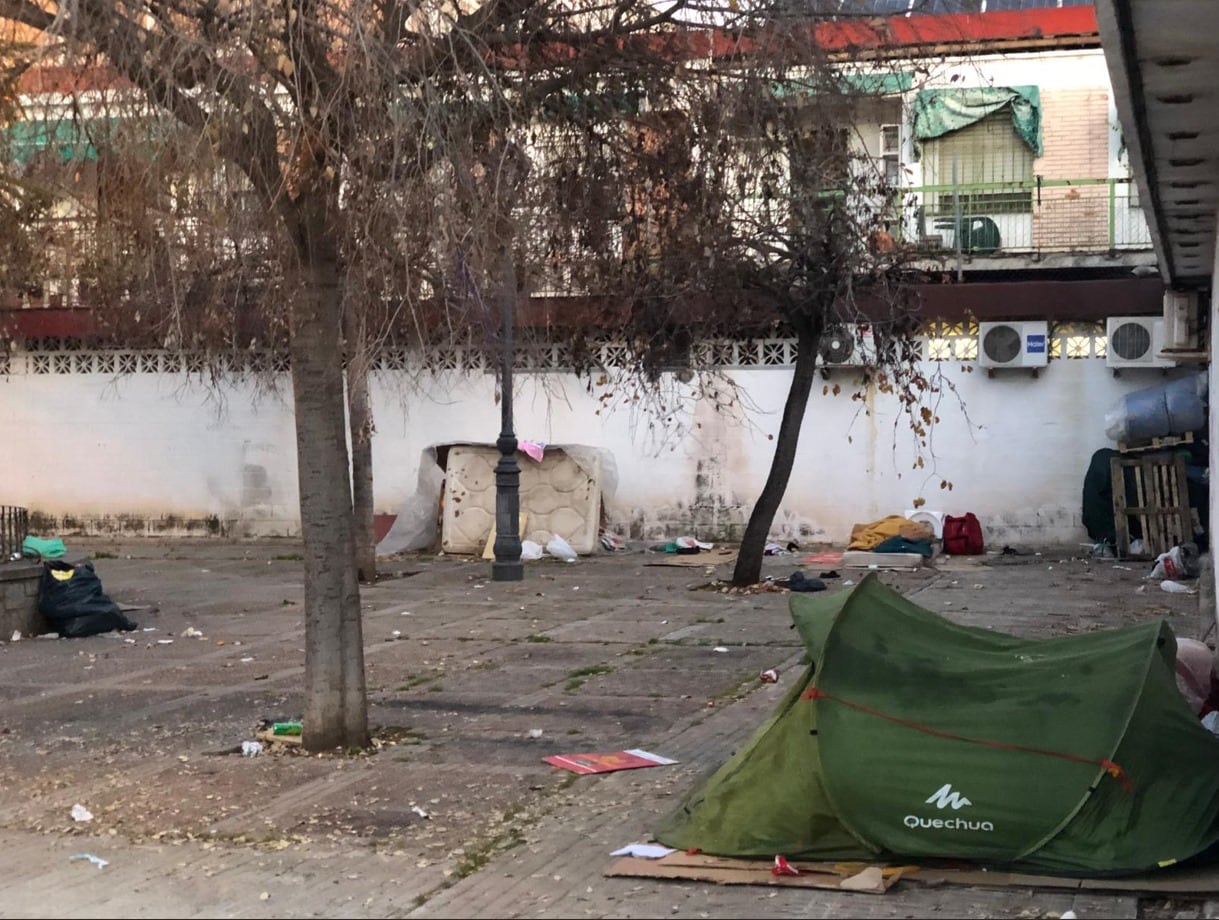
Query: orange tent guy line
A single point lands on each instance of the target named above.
(815, 693)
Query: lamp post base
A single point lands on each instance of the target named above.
(508, 571)
(507, 565)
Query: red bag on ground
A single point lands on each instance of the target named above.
(963, 535)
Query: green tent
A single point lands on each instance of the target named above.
(913, 737)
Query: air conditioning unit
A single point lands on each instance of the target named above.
(1135, 341)
(1181, 320)
(847, 345)
(1022, 344)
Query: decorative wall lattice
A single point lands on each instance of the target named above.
(939, 342)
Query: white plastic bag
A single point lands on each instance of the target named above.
(561, 549)
(1210, 722)
(1175, 587)
(1168, 565)
(1117, 424)
(1179, 562)
(531, 550)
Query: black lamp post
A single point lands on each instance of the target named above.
(507, 565)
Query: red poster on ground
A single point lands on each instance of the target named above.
(607, 763)
(829, 557)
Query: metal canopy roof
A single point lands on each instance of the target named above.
(1163, 62)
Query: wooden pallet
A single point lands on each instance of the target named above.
(1151, 492)
(1167, 443)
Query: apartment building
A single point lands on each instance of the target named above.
(997, 125)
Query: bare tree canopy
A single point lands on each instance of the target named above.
(331, 176)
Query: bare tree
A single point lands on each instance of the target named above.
(321, 176)
(740, 198)
(263, 91)
(336, 176)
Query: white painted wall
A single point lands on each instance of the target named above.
(1073, 69)
(95, 451)
(145, 445)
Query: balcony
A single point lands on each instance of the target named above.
(1030, 219)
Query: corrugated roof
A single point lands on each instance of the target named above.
(922, 7)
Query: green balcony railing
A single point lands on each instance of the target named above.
(1035, 216)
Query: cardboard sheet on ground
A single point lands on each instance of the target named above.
(706, 557)
(1172, 880)
(697, 867)
(269, 737)
(584, 764)
(489, 549)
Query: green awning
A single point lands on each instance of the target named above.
(73, 141)
(871, 84)
(941, 111)
(880, 84)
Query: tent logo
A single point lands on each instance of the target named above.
(944, 797)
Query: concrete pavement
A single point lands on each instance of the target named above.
(471, 683)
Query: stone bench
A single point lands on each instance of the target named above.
(19, 600)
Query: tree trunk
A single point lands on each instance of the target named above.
(335, 704)
(748, 569)
(360, 421)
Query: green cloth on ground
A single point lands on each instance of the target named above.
(900, 544)
(52, 548)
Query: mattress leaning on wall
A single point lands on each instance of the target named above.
(558, 495)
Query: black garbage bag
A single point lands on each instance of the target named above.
(798, 582)
(72, 600)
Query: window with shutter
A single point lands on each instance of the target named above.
(994, 168)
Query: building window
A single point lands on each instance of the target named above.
(891, 154)
(994, 168)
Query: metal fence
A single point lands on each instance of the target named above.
(14, 528)
(1025, 217)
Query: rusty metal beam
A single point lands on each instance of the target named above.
(1052, 300)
